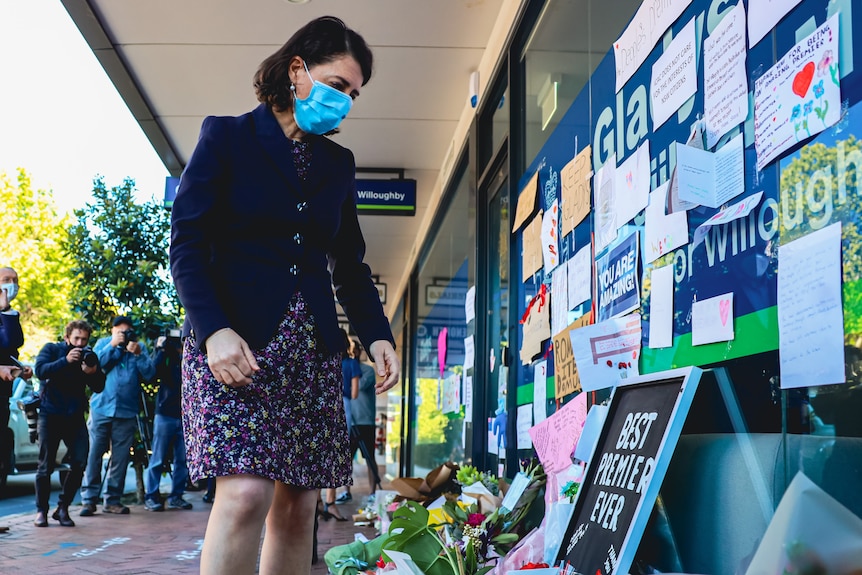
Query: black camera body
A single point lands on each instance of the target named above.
(89, 357)
(30, 406)
(130, 335)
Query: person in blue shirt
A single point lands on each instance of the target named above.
(126, 364)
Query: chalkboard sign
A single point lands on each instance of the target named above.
(625, 472)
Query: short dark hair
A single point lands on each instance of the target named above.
(78, 324)
(321, 40)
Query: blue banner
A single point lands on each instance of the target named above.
(386, 197)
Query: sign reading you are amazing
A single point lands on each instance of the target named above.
(624, 475)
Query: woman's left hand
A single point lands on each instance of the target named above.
(386, 364)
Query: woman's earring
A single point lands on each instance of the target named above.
(292, 87)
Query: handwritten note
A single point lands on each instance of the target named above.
(810, 317)
(537, 328)
(566, 378)
(469, 352)
(763, 15)
(661, 307)
(556, 437)
(468, 398)
(470, 305)
(734, 212)
(523, 425)
(607, 352)
(674, 76)
(580, 276)
(559, 298)
(606, 205)
(642, 34)
(711, 179)
(526, 202)
(632, 184)
(712, 320)
(799, 96)
(725, 85)
(662, 233)
(531, 248)
(550, 237)
(575, 178)
(451, 401)
(540, 391)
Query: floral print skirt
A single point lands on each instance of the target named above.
(287, 425)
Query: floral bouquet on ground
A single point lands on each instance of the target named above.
(467, 542)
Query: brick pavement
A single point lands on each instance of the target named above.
(166, 543)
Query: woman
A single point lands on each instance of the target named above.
(264, 212)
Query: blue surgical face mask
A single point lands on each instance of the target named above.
(11, 290)
(323, 109)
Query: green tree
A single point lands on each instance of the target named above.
(31, 239)
(120, 265)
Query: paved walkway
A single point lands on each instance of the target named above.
(166, 543)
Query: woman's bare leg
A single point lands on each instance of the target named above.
(289, 532)
(233, 531)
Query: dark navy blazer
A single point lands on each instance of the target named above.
(247, 233)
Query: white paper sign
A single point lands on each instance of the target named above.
(711, 179)
(712, 320)
(469, 352)
(550, 237)
(763, 15)
(580, 276)
(734, 212)
(799, 96)
(662, 233)
(661, 307)
(524, 423)
(641, 36)
(590, 435)
(470, 305)
(632, 184)
(468, 398)
(607, 352)
(606, 204)
(559, 299)
(540, 391)
(725, 84)
(674, 76)
(810, 316)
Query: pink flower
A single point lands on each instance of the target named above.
(475, 519)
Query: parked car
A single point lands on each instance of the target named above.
(24, 456)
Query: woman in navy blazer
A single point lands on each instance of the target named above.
(263, 226)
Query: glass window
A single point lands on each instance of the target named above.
(445, 274)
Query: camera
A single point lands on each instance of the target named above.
(130, 335)
(30, 406)
(89, 357)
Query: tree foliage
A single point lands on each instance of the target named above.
(31, 240)
(120, 265)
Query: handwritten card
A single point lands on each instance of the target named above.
(799, 96)
(469, 352)
(675, 203)
(712, 320)
(537, 328)
(674, 76)
(662, 233)
(468, 398)
(607, 352)
(550, 237)
(708, 178)
(810, 316)
(763, 15)
(559, 298)
(641, 36)
(632, 184)
(526, 202)
(556, 437)
(725, 85)
(451, 402)
(661, 307)
(470, 305)
(606, 204)
(523, 425)
(575, 178)
(734, 212)
(566, 378)
(580, 276)
(531, 248)
(540, 391)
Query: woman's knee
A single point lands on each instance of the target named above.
(246, 497)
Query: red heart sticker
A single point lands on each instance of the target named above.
(802, 81)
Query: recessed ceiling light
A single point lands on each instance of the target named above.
(299, 1)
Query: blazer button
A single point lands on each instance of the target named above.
(301, 206)
(294, 270)
(297, 237)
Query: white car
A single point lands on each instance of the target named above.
(24, 455)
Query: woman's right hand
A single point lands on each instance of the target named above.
(229, 358)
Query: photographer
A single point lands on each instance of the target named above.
(168, 426)
(112, 415)
(64, 369)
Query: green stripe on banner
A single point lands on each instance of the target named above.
(376, 207)
(525, 392)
